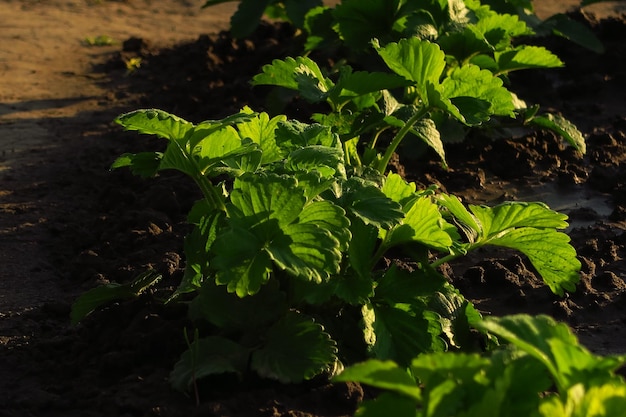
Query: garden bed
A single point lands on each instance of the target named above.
(94, 226)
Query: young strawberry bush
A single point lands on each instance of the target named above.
(286, 261)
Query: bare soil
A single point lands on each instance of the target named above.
(67, 223)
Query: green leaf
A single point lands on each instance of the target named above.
(524, 57)
(455, 384)
(228, 311)
(297, 10)
(529, 228)
(388, 404)
(398, 189)
(401, 286)
(313, 183)
(476, 86)
(217, 143)
(562, 25)
(323, 159)
(330, 217)
(247, 17)
(415, 60)
(494, 220)
(144, 164)
(295, 348)
(464, 44)
(261, 130)
(467, 220)
(426, 130)
(422, 223)
(89, 301)
(385, 375)
(605, 400)
(280, 73)
(293, 135)
(223, 150)
(369, 203)
(358, 21)
(362, 247)
(354, 289)
(269, 213)
(309, 251)
(562, 127)
(241, 262)
(197, 246)
(312, 293)
(396, 333)
(208, 356)
(499, 29)
(360, 83)
(434, 368)
(155, 122)
(178, 157)
(456, 313)
(264, 197)
(300, 73)
(550, 253)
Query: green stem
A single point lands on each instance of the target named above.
(453, 256)
(382, 164)
(372, 144)
(445, 259)
(211, 193)
(379, 253)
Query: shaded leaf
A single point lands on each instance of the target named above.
(295, 348)
(208, 356)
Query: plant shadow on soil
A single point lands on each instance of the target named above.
(116, 363)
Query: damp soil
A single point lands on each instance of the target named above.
(69, 223)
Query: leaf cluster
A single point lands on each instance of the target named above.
(542, 372)
(430, 72)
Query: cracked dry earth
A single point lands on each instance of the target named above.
(67, 223)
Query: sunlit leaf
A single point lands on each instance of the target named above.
(415, 60)
(562, 127)
(423, 223)
(382, 374)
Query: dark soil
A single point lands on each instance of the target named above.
(108, 226)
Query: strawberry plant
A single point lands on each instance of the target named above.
(542, 372)
(435, 95)
(285, 266)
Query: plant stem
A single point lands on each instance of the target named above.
(382, 164)
(210, 192)
(452, 256)
(444, 260)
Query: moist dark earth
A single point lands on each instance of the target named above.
(109, 226)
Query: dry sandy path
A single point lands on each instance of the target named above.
(47, 88)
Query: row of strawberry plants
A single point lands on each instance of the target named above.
(425, 68)
(287, 259)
